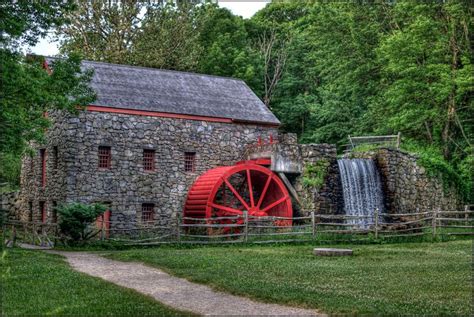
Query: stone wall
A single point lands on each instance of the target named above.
(10, 204)
(407, 186)
(326, 199)
(126, 186)
(57, 146)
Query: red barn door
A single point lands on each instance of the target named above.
(105, 220)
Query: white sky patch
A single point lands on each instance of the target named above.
(48, 47)
(246, 9)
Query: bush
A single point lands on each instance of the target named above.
(75, 219)
(315, 174)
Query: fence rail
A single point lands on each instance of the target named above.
(378, 140)
(238, 229)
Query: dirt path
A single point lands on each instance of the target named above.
(173, 291)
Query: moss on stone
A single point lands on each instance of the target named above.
(314, 174)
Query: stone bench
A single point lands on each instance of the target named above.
(331, 252)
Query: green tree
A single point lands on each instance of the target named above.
(168, 37)
(224, 42)
(102, 30)
(27, 90)
(428, 76)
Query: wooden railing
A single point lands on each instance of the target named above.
(379, 140)
(242, 229)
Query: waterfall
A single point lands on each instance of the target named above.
(362, 189)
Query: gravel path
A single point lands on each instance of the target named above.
(173, 291)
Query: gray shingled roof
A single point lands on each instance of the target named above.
(140, 88)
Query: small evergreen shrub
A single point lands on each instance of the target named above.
(75, 219)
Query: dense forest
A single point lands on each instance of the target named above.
(326, 69)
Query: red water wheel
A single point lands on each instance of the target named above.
(230, 190)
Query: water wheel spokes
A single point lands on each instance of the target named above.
(226, 192)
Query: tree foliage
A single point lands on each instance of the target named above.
(27, 89)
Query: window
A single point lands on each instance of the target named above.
(149, 160)
(148, 211)
(104, 157)
(44, 215)
(54, 218)
(55, 157)
(189, 161)
(30, 211)
(43, 167)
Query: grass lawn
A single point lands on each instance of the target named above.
(390, 279)
(34, 283)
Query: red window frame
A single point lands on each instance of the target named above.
(148, 160)
(43, 167)
(105, 157)
(148, 212)
(44, 214)
(190, 162)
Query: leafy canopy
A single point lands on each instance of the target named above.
(27, 89)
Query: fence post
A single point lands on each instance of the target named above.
(102, 228)
(435, 217)
(56, 234)
(246, 222)
(33, 233)
(376, 222)
(13, 235)
(313, 225)
(398, 140)
(466, 215)
(178, 231)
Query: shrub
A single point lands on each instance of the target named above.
(315, 174)
(75, 219)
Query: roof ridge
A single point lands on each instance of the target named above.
(156, 69)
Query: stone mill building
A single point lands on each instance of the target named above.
(157, 144)
(145, 139)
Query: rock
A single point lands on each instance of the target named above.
(332, 252)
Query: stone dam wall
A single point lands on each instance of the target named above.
(407, 186)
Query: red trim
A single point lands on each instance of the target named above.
(46, 67)
(172, 115)
(156, 114)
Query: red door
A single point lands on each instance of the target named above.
(104, 218)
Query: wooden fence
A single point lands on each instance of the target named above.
(377, 140)
(248, 229)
